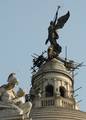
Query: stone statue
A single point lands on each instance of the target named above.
(56, 24)
(8, 97)
(6, 91)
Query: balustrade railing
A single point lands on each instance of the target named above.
(47, 102)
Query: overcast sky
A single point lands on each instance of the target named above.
(23, 31)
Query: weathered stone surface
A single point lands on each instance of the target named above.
(53, 113)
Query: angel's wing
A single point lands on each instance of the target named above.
(62, 20)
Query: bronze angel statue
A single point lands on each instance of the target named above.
(56, 24)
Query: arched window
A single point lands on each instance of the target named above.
(62, 91)
(49, 91)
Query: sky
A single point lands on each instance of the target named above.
(23, 31)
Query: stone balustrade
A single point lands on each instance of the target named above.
(47, 102)
(52, 101)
